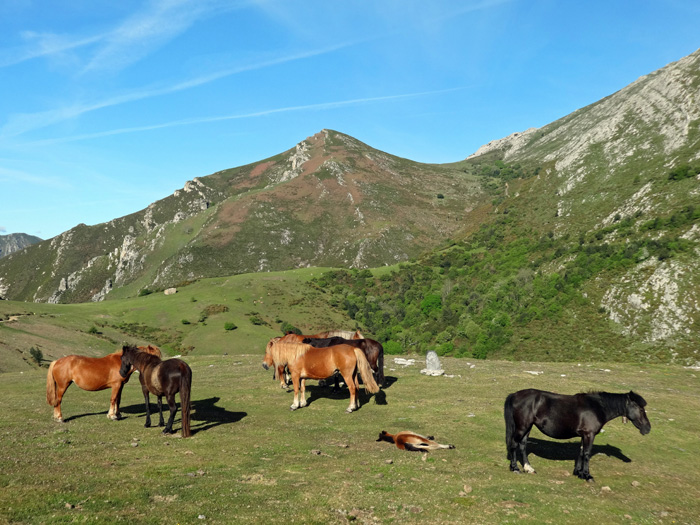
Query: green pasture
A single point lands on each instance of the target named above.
(252, 460)
(190, 322)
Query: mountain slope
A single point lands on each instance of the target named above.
(329, 201)
(15, 242)
(597, 253)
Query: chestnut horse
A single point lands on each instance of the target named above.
(306, 362)
(161, 378)
(374, 352)
(562, 417)
(412, 441)
(89, 373)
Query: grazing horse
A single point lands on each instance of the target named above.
(161, 378)
(374, 352)
(89, 373)
(412, 441)
(306, 362)
(563, 417)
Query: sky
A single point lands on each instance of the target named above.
(106, 107)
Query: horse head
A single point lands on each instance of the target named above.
(128, 353)
(636, 413)
(268, 361)
(385, 436)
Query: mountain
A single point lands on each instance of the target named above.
(15, 242)
(591, 247)
(329, 201)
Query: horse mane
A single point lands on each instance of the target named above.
(636, 398)
(285, 353)
(141, 357)
(345, 334)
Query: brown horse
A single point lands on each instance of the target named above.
(306, 362)
(291, 337)
(161, 378)
(373, 350)
(412, 441)
(89, 373)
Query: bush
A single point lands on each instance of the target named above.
(229, 326)
(37, 355)
(393, 348)
(288, 327)
(185, 321)
(257, 321)
(145, 291)
(93, 330)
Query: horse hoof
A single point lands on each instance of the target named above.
(58, 420)
(293, 407)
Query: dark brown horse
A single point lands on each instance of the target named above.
(373, 350)
(306, 362)
(161, 378)
(563, 417)
(412, 441)
(89, 373)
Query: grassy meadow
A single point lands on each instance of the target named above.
(252, 460)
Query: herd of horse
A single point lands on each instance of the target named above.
(351, 356)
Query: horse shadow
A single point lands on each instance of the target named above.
(314, 392)
(78, 416)
(209, 415)
(569, 451)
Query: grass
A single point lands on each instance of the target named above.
(251, 460)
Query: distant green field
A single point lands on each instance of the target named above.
(193, 321)
(251, 460)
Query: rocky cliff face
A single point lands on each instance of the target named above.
(15, 242)
(329, 201)
(610, 161)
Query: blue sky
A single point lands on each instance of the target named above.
(108, 106)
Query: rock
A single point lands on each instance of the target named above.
(170, 291)
(432, 365)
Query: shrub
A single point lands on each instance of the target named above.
(288, 327)
(393, 348)
(229, 326)
(185, 321)
(37, 355)
(93, 330)
(145, 291)
(257, 321)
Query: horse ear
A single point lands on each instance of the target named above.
(636, 398)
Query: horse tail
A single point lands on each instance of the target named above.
(380, 364)
(510, 421)
(185, 389)
(51, 397)
(366, 372)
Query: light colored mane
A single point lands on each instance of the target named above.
(285, 353)
(345, 334)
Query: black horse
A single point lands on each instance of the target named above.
(563, 417)
(161, 378)
(373, 350)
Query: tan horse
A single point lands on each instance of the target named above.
(89, 373)
(345, 334)
(306, 362)
(412, 441)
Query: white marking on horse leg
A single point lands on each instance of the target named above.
(528, 468)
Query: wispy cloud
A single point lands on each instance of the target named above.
(263, 113)
(9, 176)
(150, 28)
(43, 45)
(25, 122)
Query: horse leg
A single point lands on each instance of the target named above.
(119, 401)
(582, 463)
(519, 443)
(148, 406)
(303, 393)
(351, 384)
(160, 410)
(60, 390)
(295, 382)
(281, 376)
(114, 402)
(172, 405)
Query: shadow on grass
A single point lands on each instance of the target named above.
(204, 414)
(568, 451)
(208, 415)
